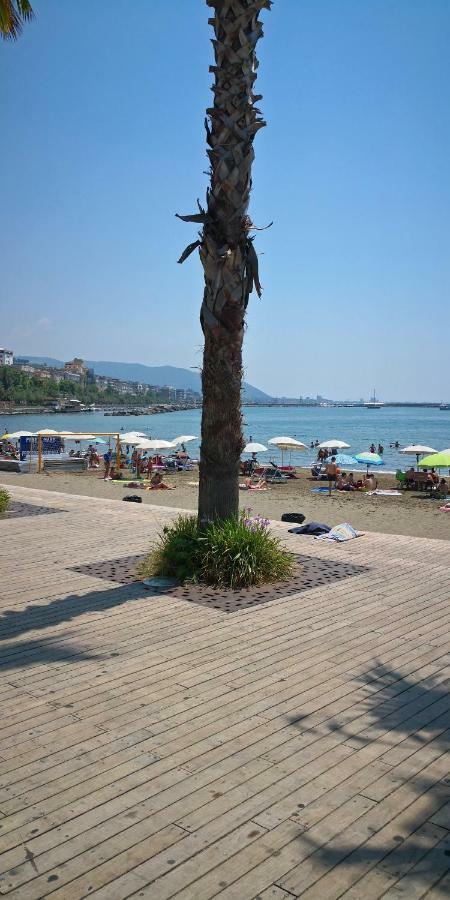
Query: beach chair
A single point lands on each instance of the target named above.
(401, 478)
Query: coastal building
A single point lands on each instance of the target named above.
(76, 366)
(6, 357)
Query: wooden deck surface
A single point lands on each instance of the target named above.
(155, 748)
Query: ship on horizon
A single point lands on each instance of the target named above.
(373, 403)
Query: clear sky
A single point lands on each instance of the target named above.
(102, 141)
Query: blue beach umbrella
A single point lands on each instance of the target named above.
(342, 459)
(369, 459)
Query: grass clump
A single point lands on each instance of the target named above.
(4, 500)
(231, 554)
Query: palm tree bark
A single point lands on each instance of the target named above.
(226, 250)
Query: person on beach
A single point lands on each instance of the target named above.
(157, 483)
(380, 449)
(331, 471)
(107, 462)
(372, 448)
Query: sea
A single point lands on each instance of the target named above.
(357, 426)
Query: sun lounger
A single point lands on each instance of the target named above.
(73, 464)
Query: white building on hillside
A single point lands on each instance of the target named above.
(6, 357)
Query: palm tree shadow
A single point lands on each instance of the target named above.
(34, 653)
(64, 609)
(14, 623)
(411, 721)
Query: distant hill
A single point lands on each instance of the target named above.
(157, 375)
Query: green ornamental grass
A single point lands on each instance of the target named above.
(231, 554)
(4, 500)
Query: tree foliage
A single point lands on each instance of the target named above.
(13, 14)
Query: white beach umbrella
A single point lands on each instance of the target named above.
(47, 431)
(185, 438)
(334, 444)
(417, 450)
(254, 447)
(156, 444)
(287, 443)
(132, 437)
(15, 435)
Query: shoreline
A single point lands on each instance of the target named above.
(409, 514)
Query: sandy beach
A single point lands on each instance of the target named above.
(410, 514)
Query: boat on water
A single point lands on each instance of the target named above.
(444, 406)
(373, 403)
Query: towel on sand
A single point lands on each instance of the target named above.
(340, 533)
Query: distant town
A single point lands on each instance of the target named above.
(26, 385)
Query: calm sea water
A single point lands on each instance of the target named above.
(358, 427)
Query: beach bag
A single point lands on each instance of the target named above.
(132, 498)
(293, 517)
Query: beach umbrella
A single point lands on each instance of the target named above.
(439, 460)
(334, 445)
(287, 443)
(15, 435)
(47, 431)
(184, 439)
(342, 459)
(369, 459)
(156, 444)
(253, 447)
(132, 437)
(417, 450)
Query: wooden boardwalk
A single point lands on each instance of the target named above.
(151, 747)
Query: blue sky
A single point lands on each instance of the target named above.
(103, 141)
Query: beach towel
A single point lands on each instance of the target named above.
(321, 490)
(340, 533)
(445, 508)
(314, 528)
(386, 493)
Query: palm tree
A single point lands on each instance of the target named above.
(13, 13)
(226, 249)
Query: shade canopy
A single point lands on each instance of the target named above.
(369, 459)
(15, 435)
(254, 447)
(156, 444)
(47, 431)
(287, 443)
(439, 460)
(78, 437)
(417, 449)
(333, 444)
(342, 459)
(132, 437)
(184, 439)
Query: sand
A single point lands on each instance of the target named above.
(411, 514)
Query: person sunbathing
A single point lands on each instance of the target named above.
(157, 483)
(249, 485)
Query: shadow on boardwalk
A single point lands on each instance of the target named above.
(413, 851)
(64, 609)
(39, 652)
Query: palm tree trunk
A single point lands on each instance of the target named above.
(226, 250)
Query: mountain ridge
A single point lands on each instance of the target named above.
(158, 375)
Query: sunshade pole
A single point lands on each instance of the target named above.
(118, 452)
(39, 452)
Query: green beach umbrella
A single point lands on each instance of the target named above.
(439, 460)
